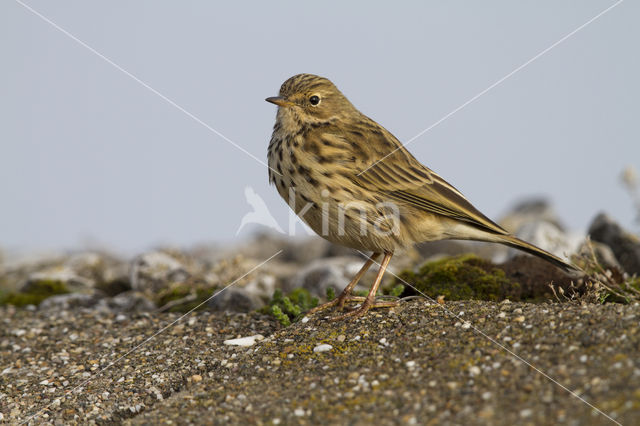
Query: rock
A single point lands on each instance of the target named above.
(33, 278)
(27, 282)
(535, 209)
(129, 301)
(535, 221)
(625, 246)
(534, 276)
(155, 271)
(333, 272)
(548, 237)
(63, 276)
(235, 299)
(294, 250)
(107, 272)
(603, 253)
(66, 302)
(115, 278)
(320, 275)
(262, 286)
(87, 264)
(18, 267)
(45, 283)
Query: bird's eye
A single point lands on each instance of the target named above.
(314, 100)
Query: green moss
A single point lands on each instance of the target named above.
(627, 291)
(182, 297)
(464, 277)
(397, 290)
(287, 309)
(280, 316)
(331, 294)
(35, 292)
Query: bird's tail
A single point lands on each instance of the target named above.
(536, 251)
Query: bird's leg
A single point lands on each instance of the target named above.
(345, 296)
(369, 301)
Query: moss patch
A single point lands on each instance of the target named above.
(184, 296)
(290, 307)
(626, 291)
(464, 277)
(37, 291)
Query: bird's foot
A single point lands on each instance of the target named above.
(338, 301)
(364, 308)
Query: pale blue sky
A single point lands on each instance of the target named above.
(88, 154)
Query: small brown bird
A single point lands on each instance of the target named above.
(356, 185)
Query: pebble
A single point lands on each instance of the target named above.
(322, 348)
(244, 341)
(526, 413)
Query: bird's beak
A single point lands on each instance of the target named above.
(280, 101)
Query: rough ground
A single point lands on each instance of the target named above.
(416, 363)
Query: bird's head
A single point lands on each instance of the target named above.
(309, 98)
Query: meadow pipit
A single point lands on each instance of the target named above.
(355, 184)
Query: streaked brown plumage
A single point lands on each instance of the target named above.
(355, 184)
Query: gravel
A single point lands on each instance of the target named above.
(417, 363)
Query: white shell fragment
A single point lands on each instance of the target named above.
(322, 348)
(244, 341)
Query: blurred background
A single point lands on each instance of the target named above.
(91, 157)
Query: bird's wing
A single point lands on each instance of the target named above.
(403, 178)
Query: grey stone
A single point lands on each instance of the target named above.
(235, 299)
(334, 272)
(130, 301)
(296, 250)
(262, 286)
(625, 246)
(534, 209)
(603, 253)
(155, 271)
(65, 302)
(549, 237)
(79, 272)
(61, 274)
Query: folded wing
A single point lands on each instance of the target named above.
(401, 177)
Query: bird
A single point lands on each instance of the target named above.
(356, 185)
